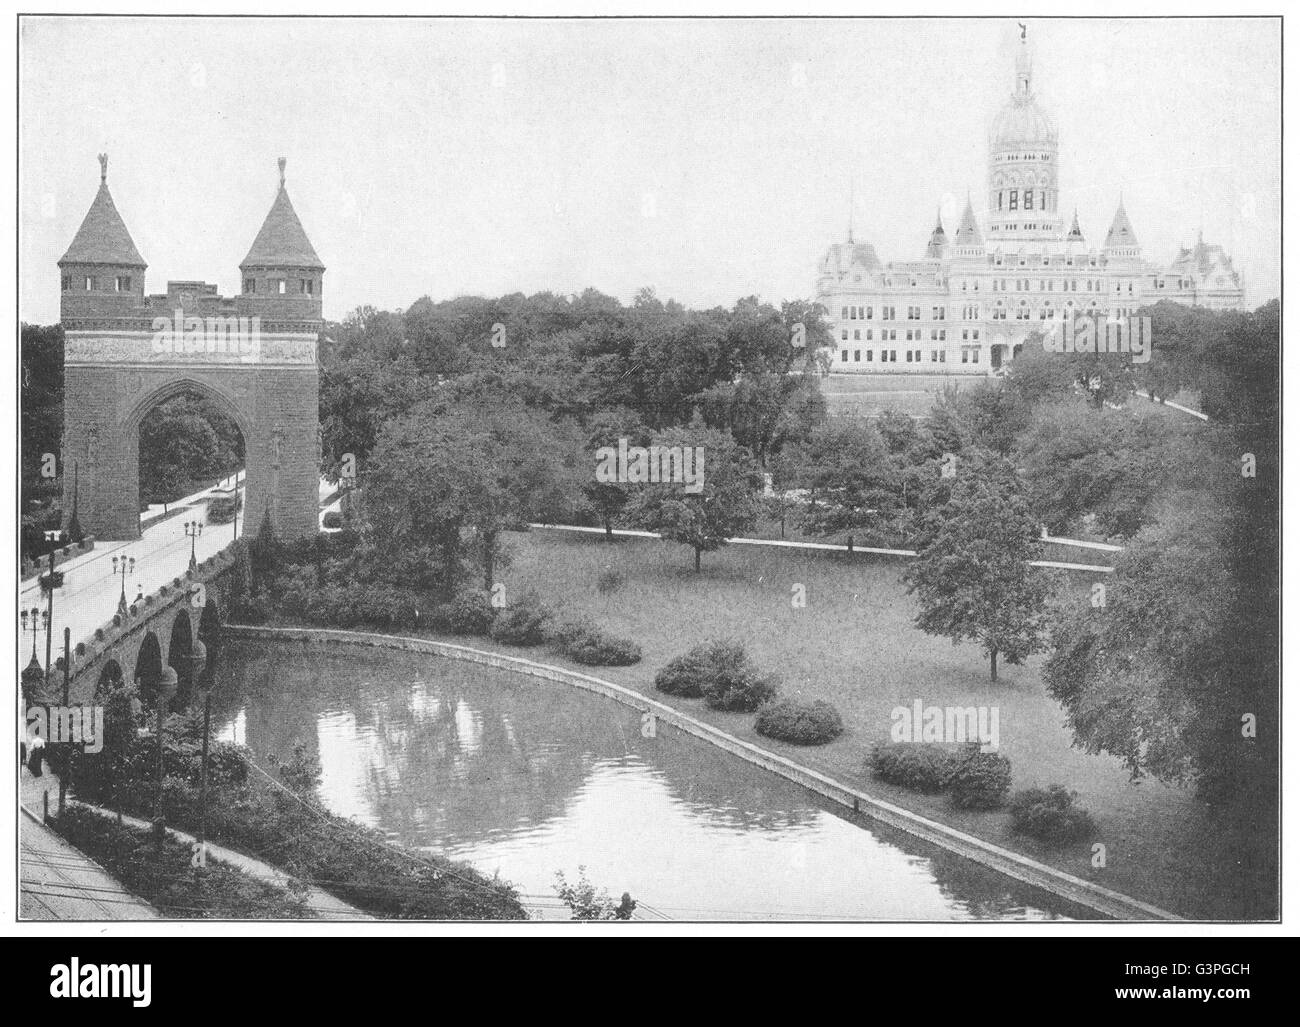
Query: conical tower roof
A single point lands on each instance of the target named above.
(938, 240)
(1075, 231)
(968, 232)
(102, 237)
(282, 241)
(1121, 230)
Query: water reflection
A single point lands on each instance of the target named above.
(527, 777)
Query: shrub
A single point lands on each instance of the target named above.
(722, 673)
(223, 508)
(1050, 815)
(981, 780)
(919, 767)
(799, 721)
(587, 644)
(522, 622)
(471, 613)
(333, 519)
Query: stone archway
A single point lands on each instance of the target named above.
(274, 409)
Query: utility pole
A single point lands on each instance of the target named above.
(66, 720)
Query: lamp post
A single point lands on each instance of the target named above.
(193, 529)
(34, 619)
(30, 681)
(49, 582)
(121, 565)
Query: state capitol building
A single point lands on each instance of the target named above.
(969, 304)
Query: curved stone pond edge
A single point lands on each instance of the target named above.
(1103, 901)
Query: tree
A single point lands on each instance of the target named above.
(357, 397)
(1152, 675)
(972, 578)
(587, 904)
(607, 429)
(41, 385)
(264, 553)
(484, 467)
(850, 478)
(726, 504)
(1112, 466)
(183, 440)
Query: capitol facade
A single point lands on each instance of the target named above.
(970, 303)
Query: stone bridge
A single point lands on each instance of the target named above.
(157, 631)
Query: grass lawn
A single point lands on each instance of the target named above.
(868, 395)
(855, 645)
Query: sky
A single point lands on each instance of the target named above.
(708, 159)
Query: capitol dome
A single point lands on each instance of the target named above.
(1022, 122)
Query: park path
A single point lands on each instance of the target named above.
(58, 881)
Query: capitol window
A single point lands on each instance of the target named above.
(1029, 199)
(844, 356)
(857, 355)
(1013, 197)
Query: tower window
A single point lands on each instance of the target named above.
(123, 283)
(280, 286)
(67, 283)
(306, 285)
(250, 285)
(90, 284)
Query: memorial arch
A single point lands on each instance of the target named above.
(253, 355)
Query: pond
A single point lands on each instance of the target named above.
(525, 778)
